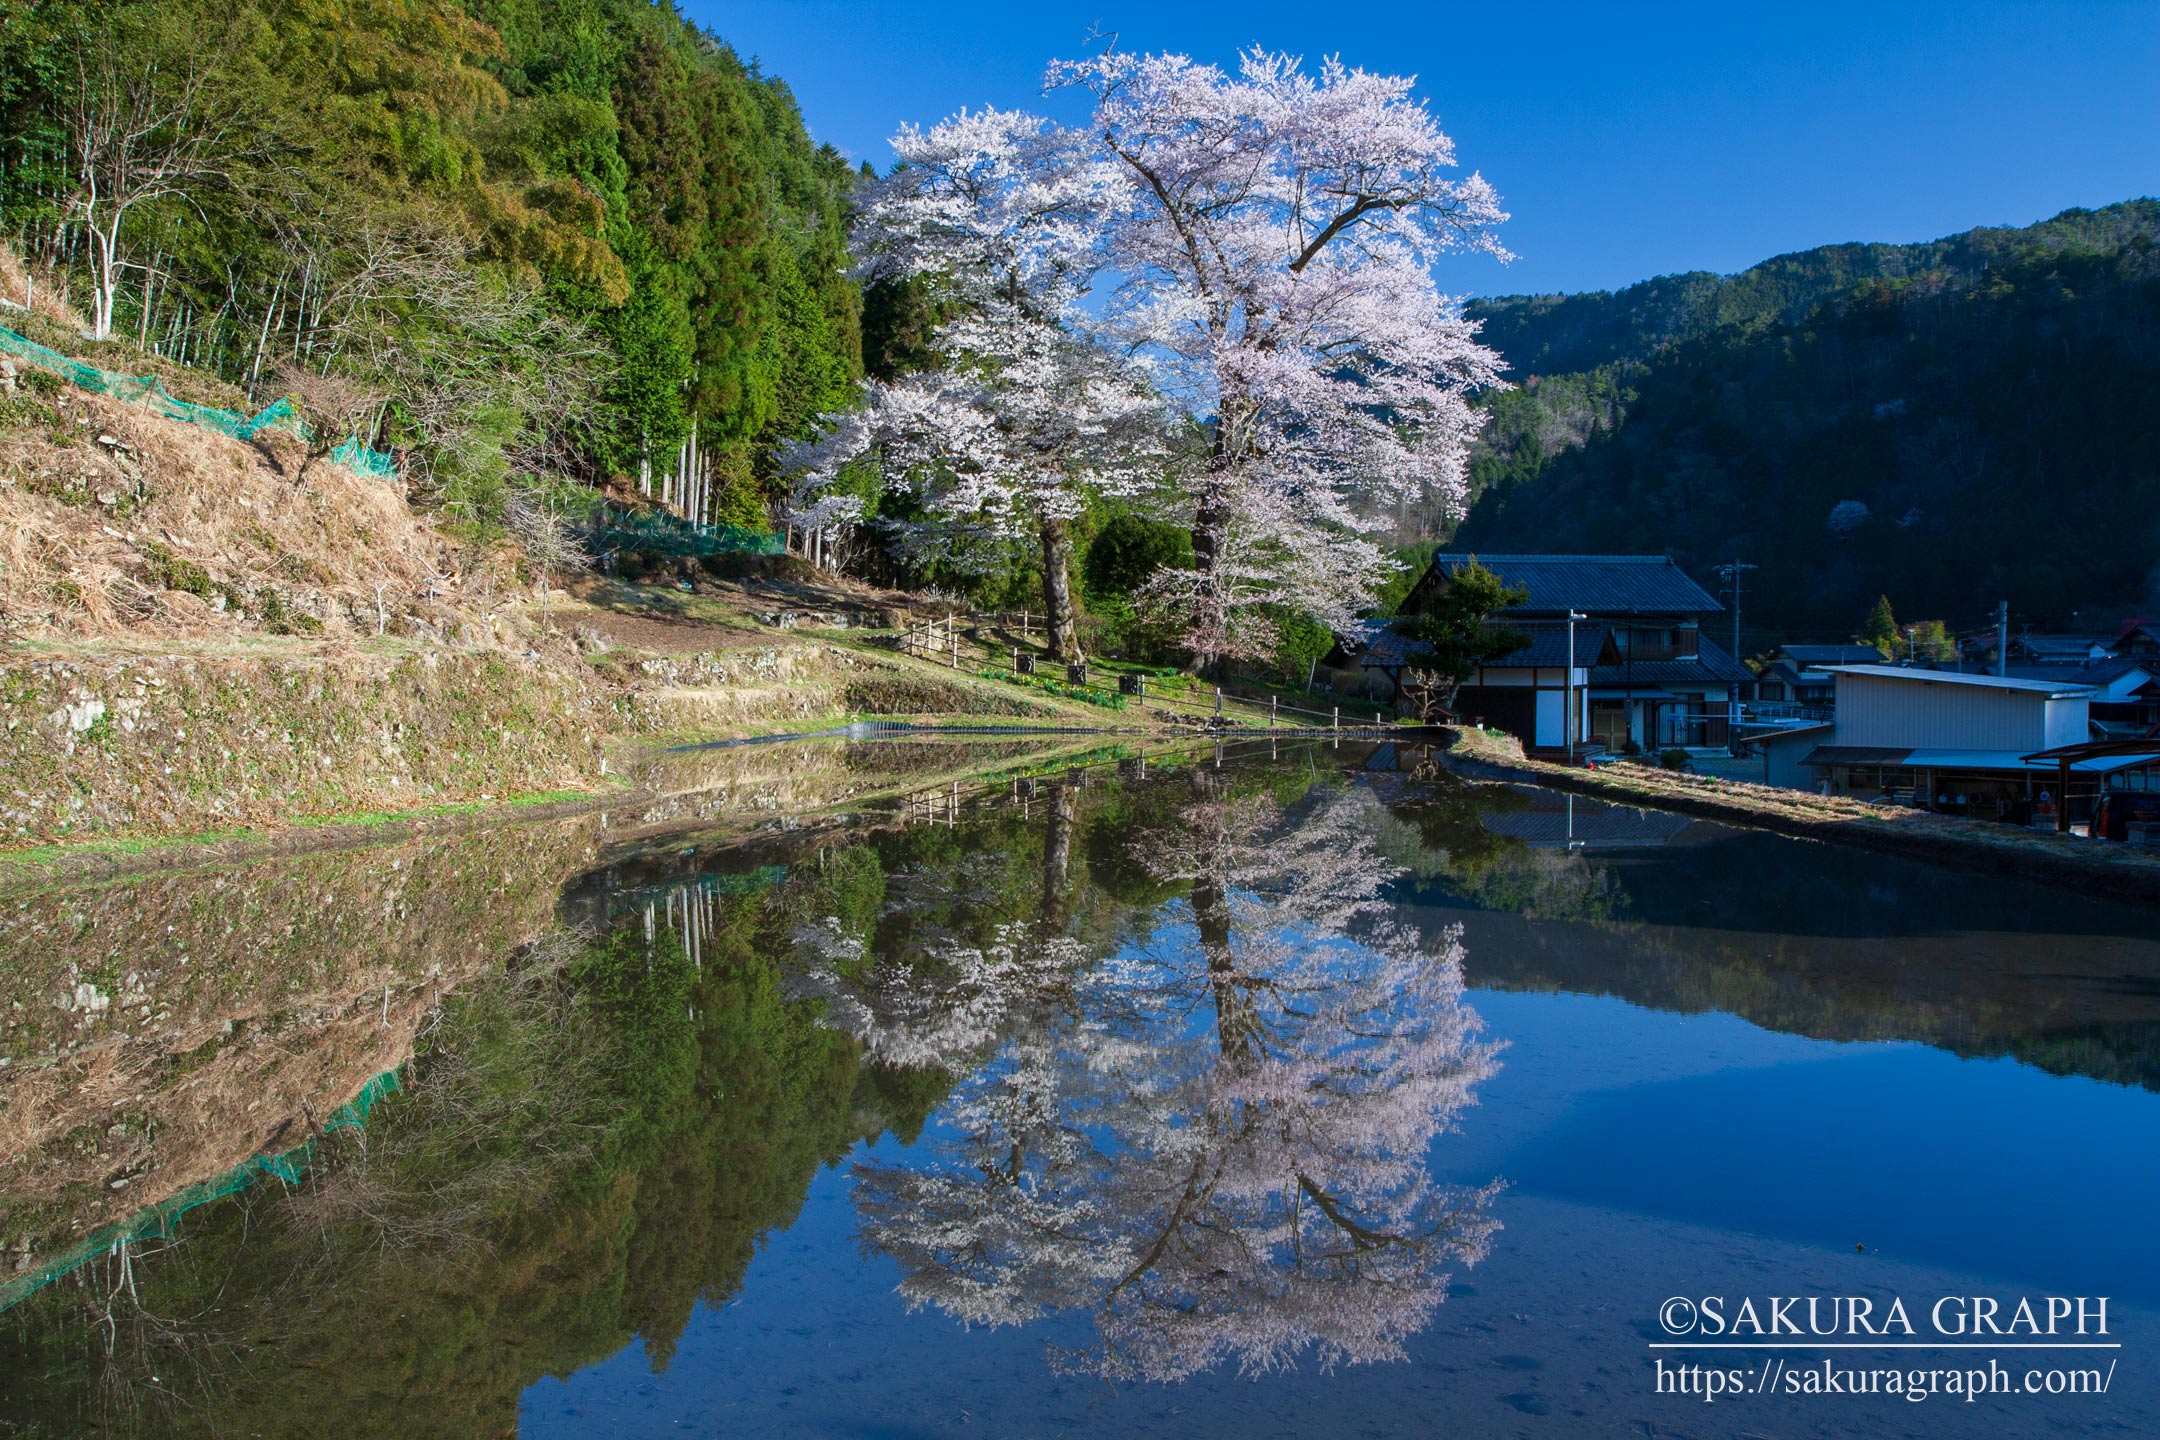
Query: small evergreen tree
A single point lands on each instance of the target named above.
(1880, 627)
(1457, 626)
(1932, 640)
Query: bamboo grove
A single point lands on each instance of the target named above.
(553, 238)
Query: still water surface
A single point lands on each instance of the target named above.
(1249, 1092)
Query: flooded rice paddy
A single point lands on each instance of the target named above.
(1013, 1087)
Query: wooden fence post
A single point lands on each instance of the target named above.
(1274, 701)
(1218, 702)
(1336, 723)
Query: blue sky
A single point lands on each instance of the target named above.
(1629, 140)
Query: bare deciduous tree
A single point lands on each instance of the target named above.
(332, 407)
(540, 527)
(146, 121)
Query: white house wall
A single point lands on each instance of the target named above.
(1551, 712)
(2069, 722)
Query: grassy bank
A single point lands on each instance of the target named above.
(203, 641)
(2072, 862)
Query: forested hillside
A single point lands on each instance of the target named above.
(543, 237)
(1950, 424)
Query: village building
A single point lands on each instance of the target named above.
(2126, 695)
(1645, 675)
(1980, 745)
(2139, 638)
(2028, 648)
(1797, 680)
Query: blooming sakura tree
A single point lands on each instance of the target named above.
(1268, 246)
(1214, 1138)
(1020, 418)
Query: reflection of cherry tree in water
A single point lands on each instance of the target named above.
(936, 999)
(1215, 1139)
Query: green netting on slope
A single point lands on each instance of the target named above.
(150, 393)
(362, 461)
(666, 535)
(158, 1222)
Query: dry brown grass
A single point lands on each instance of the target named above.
(114, 522)
(47, 298)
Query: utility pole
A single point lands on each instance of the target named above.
(2002, 638)
(1912, 642)
(1731, 575)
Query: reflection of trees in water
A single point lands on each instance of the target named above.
(555, 1182)
(1451, 833)
(589, 1145)
(1806, 939)
(1213, 1139)
(935, 973)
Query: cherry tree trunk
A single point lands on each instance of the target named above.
(1057, 857)
(1058, 623)
(1210, 620)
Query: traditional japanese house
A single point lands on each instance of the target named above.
(1646, 674)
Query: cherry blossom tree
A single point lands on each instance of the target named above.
(998, 214)
(1214, 1138)
(1270, 247)
(1262, 243)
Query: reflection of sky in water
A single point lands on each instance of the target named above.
(1649, 1154)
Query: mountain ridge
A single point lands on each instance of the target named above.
(1951, 423)
(1765, 290)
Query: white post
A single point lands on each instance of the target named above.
(1567, 721)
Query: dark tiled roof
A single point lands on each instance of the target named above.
(1385, 647)
(1548, 647)
(2100, 672)
(2042, 647)
(2062, 672)
(1547, 650)
(1595, 584)
(1711, 666)
(1805, 655)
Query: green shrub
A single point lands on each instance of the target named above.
(1107, 699)
(1125, 552)
(24, 412)
(279, 620)
(174, 573)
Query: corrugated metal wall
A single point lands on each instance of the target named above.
(1876, 710)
